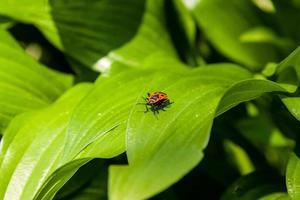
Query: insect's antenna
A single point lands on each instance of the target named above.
(145, 99)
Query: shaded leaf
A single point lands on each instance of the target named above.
(288, 71)
(285, 14)
(137, 33)
(36, 12)
(83, 179)
(254, 186)
(89, 30)
(24, 83)
(224, 22)
(151, 42)
(95, 173)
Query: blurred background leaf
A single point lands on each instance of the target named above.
(224, 23)
(255, 186)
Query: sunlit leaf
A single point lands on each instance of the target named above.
(155, 145)
(32, 146)
(292, 176)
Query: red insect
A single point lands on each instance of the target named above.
(157, 101)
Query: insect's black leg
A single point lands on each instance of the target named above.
(147, 109)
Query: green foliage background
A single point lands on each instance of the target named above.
(73, 75)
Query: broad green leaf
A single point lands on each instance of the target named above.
(245, 91)
(224, 22)
(65, 133)
(137, 33)
(154, 146)
(36, 12)
(90, 29)
(151, 42)
(255, 186)
(92, 120)
(32, 147)
(24, 83)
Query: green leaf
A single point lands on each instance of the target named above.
(58, 178)
(63, 137)
(292, 176)
(289, 76)
(255, 186)
(82, 179)
(182, 29)
(5, 22)
(239, 157)
(245, 91)
(224, 22)
(90, 119)
(291, 67)
(276, 196)
(94, 175)
(286, 12)
(24, 83)
(32, 146)
(140, 27)
(90, 29)
(151, 42)
(36, 12)
(288, 71)
(263, 34)
(265, 5)
(155, 145)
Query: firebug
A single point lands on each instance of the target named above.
(157, 101)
